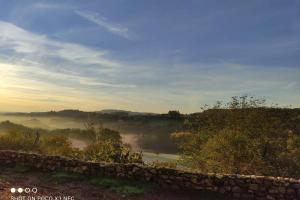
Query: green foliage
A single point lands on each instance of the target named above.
(17, 141)
(108, 147)
(16, 171)
(106, 144)
(111, 151)
(49, 145)
(157, 163)
(245, 137)
(65, 177)
(126, 188)
(105, 134)
(58, 146)
(239, 102)
(121, 186)
(20, 169)
(174, 114)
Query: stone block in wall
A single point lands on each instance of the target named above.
(236, 186)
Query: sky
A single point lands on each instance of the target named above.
(150, 56)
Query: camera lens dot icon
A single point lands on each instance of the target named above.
(13, 190)
(20, 190)
(34, 190)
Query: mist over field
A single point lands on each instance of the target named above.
(141, 136)
(44, 122)
(51, 123)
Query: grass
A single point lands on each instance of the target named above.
(123, 187)
(14, 170)
(150, 157)
(64, 177)
(17, 171)
(20, 169)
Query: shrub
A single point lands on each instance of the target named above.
(244, 137)
(17, 141)
(111, 151)
(163, 164)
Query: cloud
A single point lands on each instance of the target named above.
(43, 69)
(32, 88)
(116, 29)
(43, 5)
(26, 43)
(35, 67)
(43, 78)
(92, 82)
(51, 100)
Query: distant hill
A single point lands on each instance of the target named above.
(130, 113)
(105, 115)
(7, 126)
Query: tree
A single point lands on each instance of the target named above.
(105, 134)
(107, 146)
(174, 114)
(244, 136)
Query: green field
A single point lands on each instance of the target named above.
(149, 157)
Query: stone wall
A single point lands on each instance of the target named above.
(232, 186)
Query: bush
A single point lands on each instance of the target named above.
(126, 188)
(59, 146)
(17, 141)
(163, 164)
(106, 146)
(244, 137)
(111, 151)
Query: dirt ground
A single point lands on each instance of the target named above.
(46, 190)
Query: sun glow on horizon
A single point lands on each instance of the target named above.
(56, 56)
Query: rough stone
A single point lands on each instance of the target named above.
(233, 185)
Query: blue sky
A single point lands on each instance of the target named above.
(149, 56)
